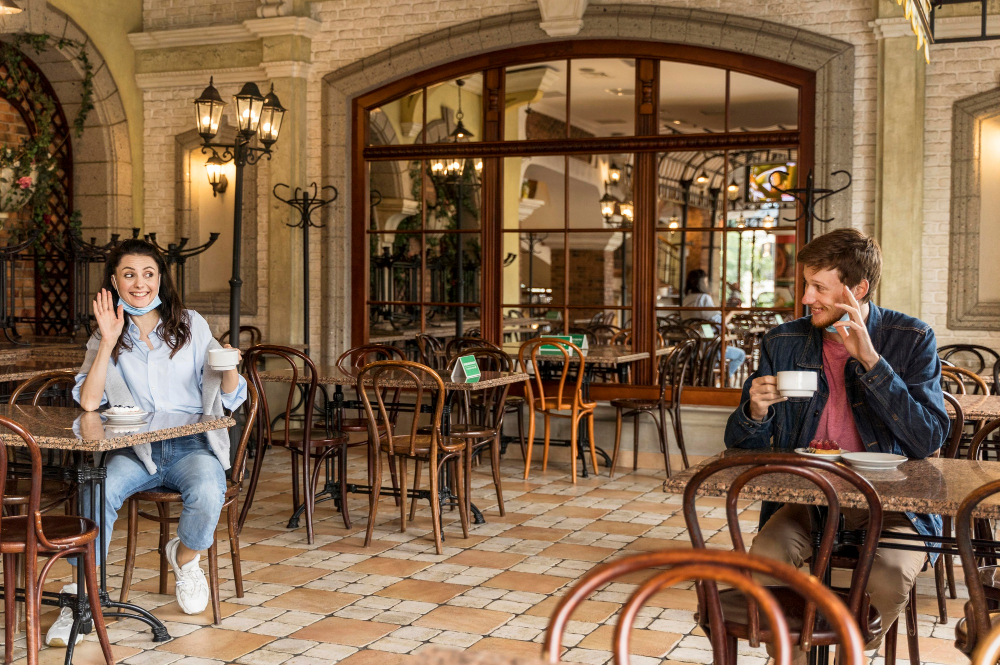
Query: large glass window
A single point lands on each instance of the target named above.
(529, 230)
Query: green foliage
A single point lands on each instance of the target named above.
(34, 158)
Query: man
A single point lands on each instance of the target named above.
(878, 390)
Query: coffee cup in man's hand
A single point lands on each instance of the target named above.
(797, 384)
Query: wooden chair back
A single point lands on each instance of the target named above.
(963, 378)
(954, 442)
(253, 332)
(489, 402)
(570, 372)
(977, 357)
(251, 427)
(713, 566)
(422, 382)
(980, 439)
(431, 350)
(458, 345)
(809, 469)
(302, 374)
(37, 386)
(674, 368)
(977, 613)
(602, 334)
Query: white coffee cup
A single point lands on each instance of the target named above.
(797, 384)
(223, 359)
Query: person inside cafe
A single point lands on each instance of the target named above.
(151, 353)
(697, 294)
(878, 390)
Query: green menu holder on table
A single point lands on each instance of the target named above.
(466, 370)
(553, 350)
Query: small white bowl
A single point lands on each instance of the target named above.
(797, 384)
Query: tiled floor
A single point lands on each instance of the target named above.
(335, 601)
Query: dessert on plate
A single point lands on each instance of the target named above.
(824, 447)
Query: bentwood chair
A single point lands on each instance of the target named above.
(53, 536)
(47, 389)
(431, 447)
(988, 651)
(976, 357)
(982, 581)
(431, 350)
(673, 369)
(253, 332)
(963, 379)
(803, 626)
(460, 345)
(311, 445)
(708, 568)
(944, 569)
(554, 402)
(164, 498)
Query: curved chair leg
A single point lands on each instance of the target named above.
(434, 473)
(130, 543)
(93, 597)
(495, 462)
(234, 547)
(401, 462)
(163, 509)
(520, 431)
(295, 485)
(417, 466)
(9, 607)
(574, 435)
(635, 441)
(531, 440)
(661, 427)
(213, 581)
(618, 441)
(679, 435)
(376, 484)
(463, 467)
(547, 430)
(912, 641)
(342, 477)
(890, 643)
(939, 588)
(590, 437)
(395, 480)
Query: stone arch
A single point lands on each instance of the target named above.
(102, 155)
(832, 60)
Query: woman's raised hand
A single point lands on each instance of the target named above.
(109, 320)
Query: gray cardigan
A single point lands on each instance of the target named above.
(117, 393)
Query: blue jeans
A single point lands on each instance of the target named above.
(734, 359)
(186, 465)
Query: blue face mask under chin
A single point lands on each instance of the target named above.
(138, 311)
(833, 329)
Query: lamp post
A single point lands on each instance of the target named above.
(256, 115)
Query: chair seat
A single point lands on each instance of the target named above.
(318, 439)
(18, 488)
(422, 447)
(631, 404)
(167, 495)
(734, 610)
(465, 431)
(962, 633)
(551, 406)
(514, 400)
(60, 530)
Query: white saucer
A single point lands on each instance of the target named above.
(874, 461)
(805, 452)
(796, 393)
(223, 369)
(126, 419)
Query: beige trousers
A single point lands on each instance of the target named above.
(786, 537)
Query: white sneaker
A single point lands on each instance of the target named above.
(58, 633)
(190, 584)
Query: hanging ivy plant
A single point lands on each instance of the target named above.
(28, 170)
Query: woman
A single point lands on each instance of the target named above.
(151, 353)
(696, 291)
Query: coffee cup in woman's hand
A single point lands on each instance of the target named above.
(223, 359)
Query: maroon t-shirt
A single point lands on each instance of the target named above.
(837, 421)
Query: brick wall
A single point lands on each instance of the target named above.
(161, 15)
(13, 130)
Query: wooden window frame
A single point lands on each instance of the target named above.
(646, 143)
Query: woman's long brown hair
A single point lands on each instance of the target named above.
(176, 331)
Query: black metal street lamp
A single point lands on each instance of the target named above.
(256, 115)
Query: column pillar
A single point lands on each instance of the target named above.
(899, 175)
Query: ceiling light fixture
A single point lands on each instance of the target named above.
(7, 7)
(460, 132)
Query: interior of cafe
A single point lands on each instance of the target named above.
(499, 333)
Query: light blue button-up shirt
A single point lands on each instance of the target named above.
(161, 383)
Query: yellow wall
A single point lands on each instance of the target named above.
(108, 23)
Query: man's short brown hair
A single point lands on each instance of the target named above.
(854, 255)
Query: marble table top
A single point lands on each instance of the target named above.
(26, 369)
(329, 375)
(452, 657)
(70, 428)
(978, 407)
(932, 486)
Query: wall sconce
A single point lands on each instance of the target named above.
(216, 178)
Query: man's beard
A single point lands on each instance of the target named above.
(828, 319)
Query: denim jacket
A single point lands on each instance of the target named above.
(898, 406)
